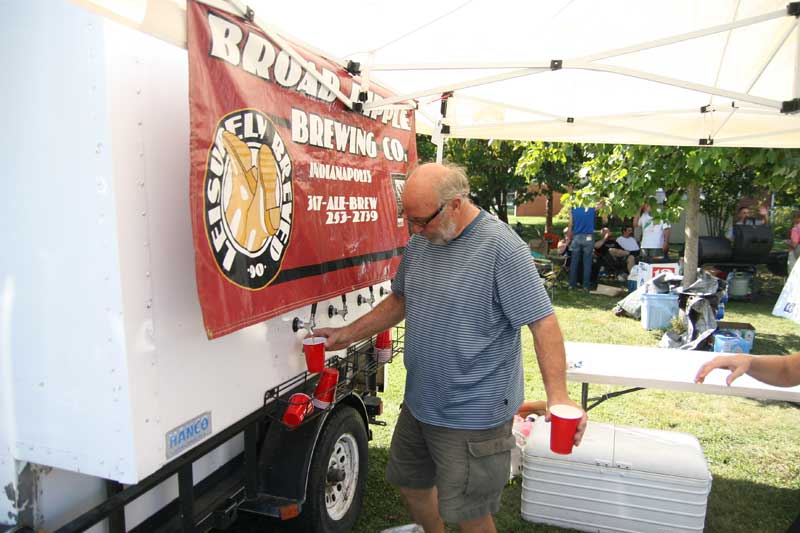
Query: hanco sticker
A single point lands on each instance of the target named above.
(188, 434)
(248, 198)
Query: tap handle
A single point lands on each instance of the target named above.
(298, 324)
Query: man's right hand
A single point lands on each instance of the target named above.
(335, 338)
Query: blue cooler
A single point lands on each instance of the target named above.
(658, 310)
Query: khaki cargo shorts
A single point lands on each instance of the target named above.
(469, 468)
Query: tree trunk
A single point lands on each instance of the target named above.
(691, 234)
(548, 223)
(502, 211)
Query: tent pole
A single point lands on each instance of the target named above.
(580, 65)
(443, 129)
(462, 85)
(593, 57)
(699, 87)
(770, 56)
(796, 90)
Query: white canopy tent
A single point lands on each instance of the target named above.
(717, 72)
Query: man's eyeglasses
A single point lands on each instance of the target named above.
(421, 223)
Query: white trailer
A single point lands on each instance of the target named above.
(110, 391)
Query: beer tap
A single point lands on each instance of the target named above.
(371, 300)
(333, 311)
(298, 323)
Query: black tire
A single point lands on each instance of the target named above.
(332, 506)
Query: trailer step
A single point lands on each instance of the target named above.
(274, 506)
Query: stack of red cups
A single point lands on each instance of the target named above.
(325, 392)
(383, 346)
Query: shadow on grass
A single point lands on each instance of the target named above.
(770, 343)
(741, 505)
(579, 299)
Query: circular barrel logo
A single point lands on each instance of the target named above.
(248, 198)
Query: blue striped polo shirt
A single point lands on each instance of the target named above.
(465, 304)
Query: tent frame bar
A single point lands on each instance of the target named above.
(594, 57)
(734, 95)
(779, 42)
(522, 69)
(456, 131)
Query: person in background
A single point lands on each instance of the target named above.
(581, 226)
(629, 243)
(611, 256)
(744, 218)
(655, 235)
(563, 244)
(465, 286)
(794, 242)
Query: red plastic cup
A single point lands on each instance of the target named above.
(325, 392)
(383, 346)
(314, 348)
(563, 424)
(299, 406)
(384, 339)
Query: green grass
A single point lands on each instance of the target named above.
(531, 221)
(751, 446)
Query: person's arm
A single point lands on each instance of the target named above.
(604, 234)
(778, 370)
(569, 225)
(533, 407)
(387, 314)
(763, 214)
(794, 238)
(551, 355)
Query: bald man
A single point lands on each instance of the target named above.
(466, 285)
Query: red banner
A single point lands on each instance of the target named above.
(294, 198)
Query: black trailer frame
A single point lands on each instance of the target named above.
(214, 502)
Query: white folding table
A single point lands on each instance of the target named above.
(642, 367)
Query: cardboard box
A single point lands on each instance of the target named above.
(744, 331)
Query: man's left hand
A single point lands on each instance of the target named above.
(581, 425)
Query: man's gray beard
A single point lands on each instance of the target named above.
(447, 233)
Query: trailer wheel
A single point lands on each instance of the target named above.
(338, 475)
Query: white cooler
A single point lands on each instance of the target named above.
(618, 479)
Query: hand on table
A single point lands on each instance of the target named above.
(737, 364)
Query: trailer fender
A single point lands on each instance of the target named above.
(285, 456)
